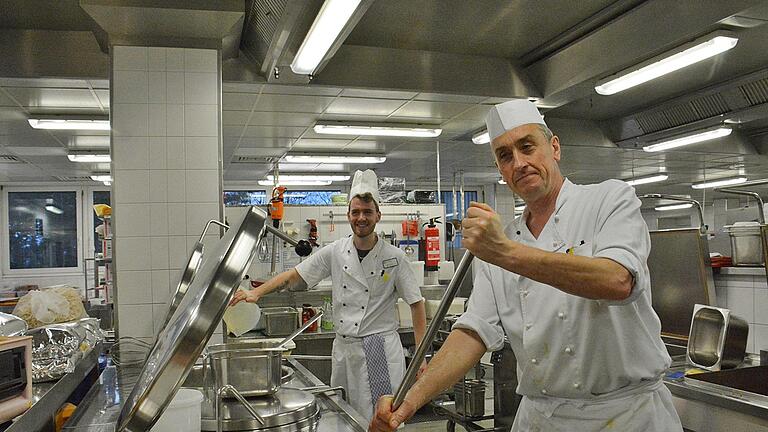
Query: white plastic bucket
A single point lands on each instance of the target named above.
(182, 414)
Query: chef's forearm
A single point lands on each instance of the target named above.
(289, 279)
(590, 277)
(460, 352)
(419, 317)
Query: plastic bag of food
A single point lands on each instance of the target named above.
(242, 318)
(50, 305)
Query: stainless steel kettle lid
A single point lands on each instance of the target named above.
(287, 410)
(182, 340)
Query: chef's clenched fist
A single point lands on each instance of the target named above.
(385, 420)
(250, 296)
(482, 232)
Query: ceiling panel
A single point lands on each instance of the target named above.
(434, 110)
(363, 106)
(270, 142)
(292, 103)
(235, 118)
(273, 131)
(301, 90)
(260, 118)
(238, 101)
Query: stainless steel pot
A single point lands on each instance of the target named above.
(718, 339)
(196, 380)
(252, 371)
(746, 243)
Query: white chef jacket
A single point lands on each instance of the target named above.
(364, 298)
(570, 348)
(364, 293)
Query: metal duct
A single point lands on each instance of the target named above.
(687, 112)
(261, 23)
(755, 92)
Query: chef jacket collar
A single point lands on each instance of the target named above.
(562, 197)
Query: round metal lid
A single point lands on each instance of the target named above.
(286, 407)
(184, 337)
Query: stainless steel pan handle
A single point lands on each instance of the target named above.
(434, 326)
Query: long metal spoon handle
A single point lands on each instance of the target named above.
(299, 330)
(429, 337)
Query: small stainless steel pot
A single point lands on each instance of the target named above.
(252, 371)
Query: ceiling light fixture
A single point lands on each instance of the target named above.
(320, 158)
(330, 21)
(366, 130)
(684, 55)
(68, 124)
(51, 207)
(482, 137)
(647, 179)
(718, 183)
(296, 182)
(315, 177)
(689, 139)
(101, 178)
(674, 207)
(89, 157)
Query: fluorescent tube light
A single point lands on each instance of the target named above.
(69, 124)
(89, 158)
(102, 178)
(674, 207)
(51, 207)
(482, 137)
(296, 182)
(711, 46)
(718, 183)
(393, 131)
(647, 179)
(330, 21)
(690, 139)
(314, 177)
(363, 159)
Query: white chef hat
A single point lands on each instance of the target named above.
(365, 182)
(511, 114)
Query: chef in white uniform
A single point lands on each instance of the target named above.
(368, 276)
(567, 283)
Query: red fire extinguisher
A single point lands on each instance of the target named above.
(432, 240)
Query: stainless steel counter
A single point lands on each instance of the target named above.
(101, 407)
(705, 407)
(48, 397)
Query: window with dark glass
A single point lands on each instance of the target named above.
(42, 230)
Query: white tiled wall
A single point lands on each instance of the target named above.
(165, 147)
(746, 295)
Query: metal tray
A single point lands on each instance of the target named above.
(201, 309)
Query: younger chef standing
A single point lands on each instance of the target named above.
(368, 276)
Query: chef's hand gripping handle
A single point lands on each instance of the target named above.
(434, 326)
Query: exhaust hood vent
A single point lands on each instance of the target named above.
(684, 113)
(261, 23)
(251, 159)
(755, 92)
(9, 159)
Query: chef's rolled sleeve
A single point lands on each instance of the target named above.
(406, 284)
(317, 266)
(623, 237)
(482, 316)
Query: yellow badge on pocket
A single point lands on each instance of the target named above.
(385, 277)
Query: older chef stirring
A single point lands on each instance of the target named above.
(568, 285)
(368, 275)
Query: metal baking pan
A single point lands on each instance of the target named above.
(182, 341)
(280, 321)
